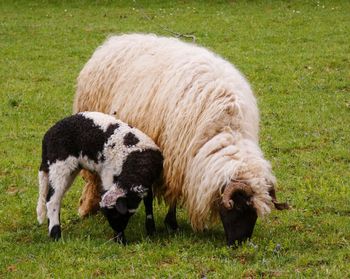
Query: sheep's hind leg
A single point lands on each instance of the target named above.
(148, 202)
(170, 219)
(91, 197)
(58, 185)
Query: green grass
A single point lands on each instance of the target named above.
(296, 56)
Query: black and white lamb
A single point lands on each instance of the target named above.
(127, 161)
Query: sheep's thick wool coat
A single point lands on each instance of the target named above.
(195, 105)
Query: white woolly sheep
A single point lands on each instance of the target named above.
(126, 160)
(201, 112)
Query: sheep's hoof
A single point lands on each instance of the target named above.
(171, 225)
(55, 232)
(150, 227)
(120, 238)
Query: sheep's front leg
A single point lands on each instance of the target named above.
(58, 185)
(148, 202)
(170, 219)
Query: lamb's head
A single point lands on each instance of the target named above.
(118, 205)
(239, 212)
(124, 201)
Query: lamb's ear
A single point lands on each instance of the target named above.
(121, 205)
(110, 198)
(278, 205)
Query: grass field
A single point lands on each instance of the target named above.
(295, 54)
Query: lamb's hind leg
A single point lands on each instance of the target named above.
(43, 190)
(60, 181)
(148, 202)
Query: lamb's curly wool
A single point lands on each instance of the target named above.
(126, 161)
(195, 105)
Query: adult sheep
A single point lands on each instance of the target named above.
(201, 112)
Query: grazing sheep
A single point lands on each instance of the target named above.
(126, 161)
(201, 112)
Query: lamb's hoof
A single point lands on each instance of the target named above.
(150, 227)
(120, 238)
(55, 232)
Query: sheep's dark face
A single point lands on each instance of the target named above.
(238, 221)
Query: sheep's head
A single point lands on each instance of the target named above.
(238, 213)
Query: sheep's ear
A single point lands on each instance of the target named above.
(121, 205)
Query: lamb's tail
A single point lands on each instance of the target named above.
(43, 190)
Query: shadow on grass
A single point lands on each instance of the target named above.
(95, 227)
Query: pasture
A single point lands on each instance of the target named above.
(295, 54)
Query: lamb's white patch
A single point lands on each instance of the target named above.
(109, 199)
(116, 152)
(132, 210)
(100, 119)
(139, 190)
(59, 171)
(88, 164)
(149, 216)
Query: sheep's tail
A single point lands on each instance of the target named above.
(43, 190)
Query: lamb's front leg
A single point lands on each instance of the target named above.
(148, 202)
(53, 207)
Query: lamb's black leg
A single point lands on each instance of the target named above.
(148, 202)
(170, 219)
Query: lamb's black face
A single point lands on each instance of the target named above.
(117, 221)
(118, 216)
(239, 221)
